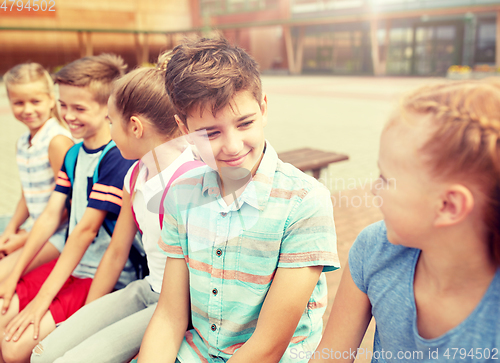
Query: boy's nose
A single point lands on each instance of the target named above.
(232, 146)
(68, 116)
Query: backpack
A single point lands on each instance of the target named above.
(136, 257)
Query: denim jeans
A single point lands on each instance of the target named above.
(109, 329)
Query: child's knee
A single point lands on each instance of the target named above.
(13, 352)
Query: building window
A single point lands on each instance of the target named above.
(486, 42)
(400, 51)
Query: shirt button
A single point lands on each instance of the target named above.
(213, 327)
(218, 252)
(214, 291)
(223, 214)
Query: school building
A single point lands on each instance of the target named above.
(351, 37)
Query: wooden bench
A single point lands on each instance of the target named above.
(311, 159)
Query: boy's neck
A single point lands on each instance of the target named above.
(100, 138)
(231, 189)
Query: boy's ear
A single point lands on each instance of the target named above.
(183, 128)
(263, 108)
(456, 203)
(136, 127)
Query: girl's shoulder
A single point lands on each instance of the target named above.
(132, 174)
(372, 254)
(54, 128)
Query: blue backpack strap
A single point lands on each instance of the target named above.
(108, 147)
(70, 161)
(109, 225)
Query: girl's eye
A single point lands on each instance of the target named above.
(79, 109)
(382, 178)
(212, 135)
(35, 102)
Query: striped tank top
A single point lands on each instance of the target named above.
(35, 172)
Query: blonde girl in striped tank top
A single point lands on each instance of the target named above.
(40, 154)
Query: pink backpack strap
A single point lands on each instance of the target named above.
(133, 181)
(184, 168)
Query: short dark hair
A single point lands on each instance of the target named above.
(207, 73)
(96, 72)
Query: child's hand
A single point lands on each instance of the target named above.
(32, 314)
(4, 238)
(12, 243)
(7, 290)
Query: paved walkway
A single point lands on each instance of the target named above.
(343, 114)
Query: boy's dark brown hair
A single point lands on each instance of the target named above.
(96, 72)
(207, 73)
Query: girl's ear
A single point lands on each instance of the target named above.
(52, 101)
(136, 127)
(456, 203)
(183, 128)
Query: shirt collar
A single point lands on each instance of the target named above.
(40, 134)
(258, 191)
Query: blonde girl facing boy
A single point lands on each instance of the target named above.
(110, 329)
(429, 273)
(40, 153)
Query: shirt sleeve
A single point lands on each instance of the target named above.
(63, 185)
(173, 232)
(126, 180)
(371, 240)
(309, 238)
(107, 192)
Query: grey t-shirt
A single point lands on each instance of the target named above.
(105, 195)
(385, 272)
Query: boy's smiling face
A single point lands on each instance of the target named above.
(85, 116)
(236, 134)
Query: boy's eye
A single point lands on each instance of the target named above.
(35, 102)
(212, 135)
(245, 124)
(79, 109)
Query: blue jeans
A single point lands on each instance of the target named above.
(109, 329)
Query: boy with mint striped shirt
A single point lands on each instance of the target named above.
(248, 237)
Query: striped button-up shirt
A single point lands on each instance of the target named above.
(283, 219)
